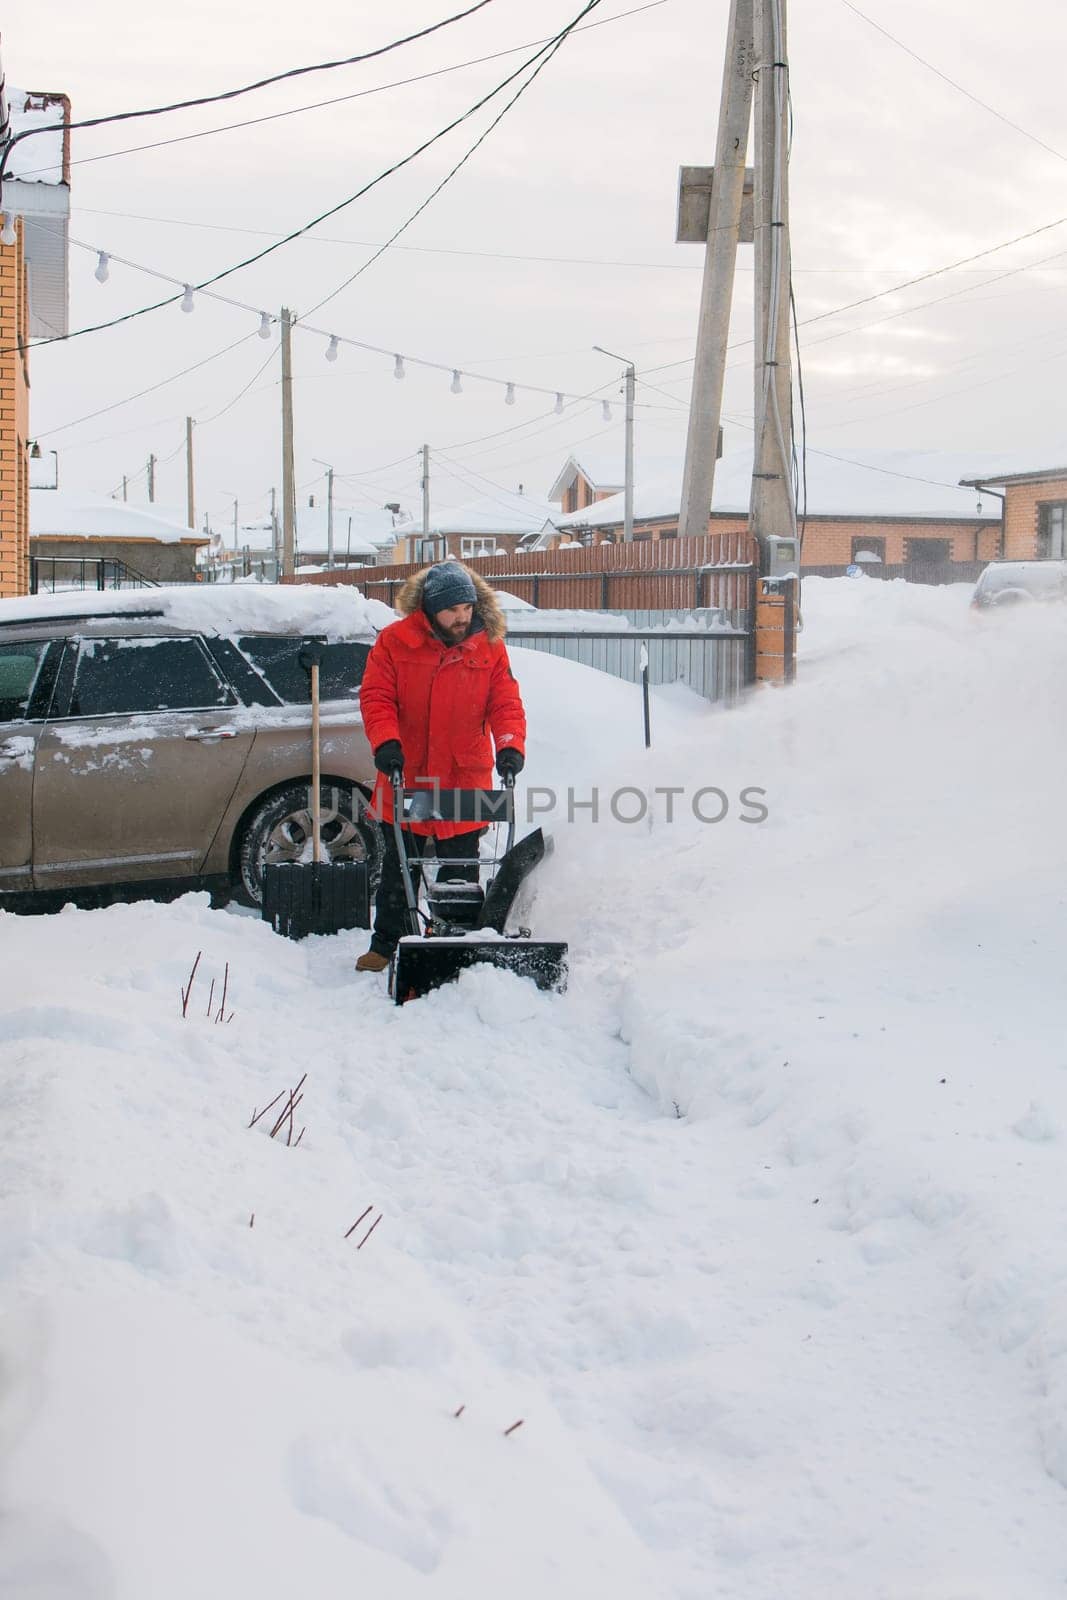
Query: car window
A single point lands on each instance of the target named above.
(278, 659)
(135, 675)
(19, 666)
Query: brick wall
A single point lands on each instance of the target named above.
(14, 422)
(1022, 510)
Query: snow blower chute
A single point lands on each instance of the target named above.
(464, 922)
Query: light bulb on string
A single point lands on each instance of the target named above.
(456, 386)
(102, 274)
(7, 233)
(188, 303)
(558, 407)
(264, 325)
(509, 395)
(331, 348)
(605, 411)
(398, 367)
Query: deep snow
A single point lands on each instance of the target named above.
(760, 1229)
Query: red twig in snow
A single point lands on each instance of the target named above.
(187, 991)
(369, 1231)
(252, 1220)
(514, 1425)
(358, 1220)
(211, 997)
(298, 1138)
(460, 1410)
(225, 986)
(290, 1106)
(257, 1114)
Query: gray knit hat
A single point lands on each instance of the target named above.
(447, 584)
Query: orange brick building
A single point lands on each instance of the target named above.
(895, 513)
(33, 300)
(1034, 512)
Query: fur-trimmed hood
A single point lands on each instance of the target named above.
(409, 600)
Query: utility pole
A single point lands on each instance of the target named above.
(151, 479)
(124, 486)
(288, 469)
(329, 510)
(190, 498)
(628, 469)
(425, 492)
(275, 549)
(723, 230)
(773, 509)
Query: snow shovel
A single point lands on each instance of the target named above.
(316, 896)
(464, 925)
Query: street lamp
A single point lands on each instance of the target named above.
(329, 509)
(628, 496)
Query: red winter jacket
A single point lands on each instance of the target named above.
(442, 702)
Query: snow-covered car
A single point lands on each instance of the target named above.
(1008, 583)
(164, 736)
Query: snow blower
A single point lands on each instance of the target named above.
(464, 922)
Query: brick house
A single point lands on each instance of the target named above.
(898, 513)
(500, 523)
(1033, 512)
(33, 301)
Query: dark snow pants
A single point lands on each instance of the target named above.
(390, 911)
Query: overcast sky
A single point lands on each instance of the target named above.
(894, 172)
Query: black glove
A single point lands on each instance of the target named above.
(509, 762)
(389, 757)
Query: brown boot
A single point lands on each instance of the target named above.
(371, 961)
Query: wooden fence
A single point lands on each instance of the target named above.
(717, 570)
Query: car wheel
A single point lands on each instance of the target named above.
(280, 830)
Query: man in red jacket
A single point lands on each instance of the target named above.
(436, 685)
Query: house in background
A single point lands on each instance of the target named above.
(1033, 514)
(81, 540)
(33, 298)
(362, 536)
(499, 523)
(894, 512)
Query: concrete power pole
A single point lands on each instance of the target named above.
(190, 498)
(151, 480)
(773, 507)
(275, 543)
(725, 195)
(425, 492)
(628, 473)
(288, 468)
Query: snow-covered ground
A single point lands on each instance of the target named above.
(761, 1229)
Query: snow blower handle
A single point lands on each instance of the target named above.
(410, 897)
(509, 785)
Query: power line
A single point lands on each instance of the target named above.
(909, 283)
(318, 105)
(90, 415)
(915, 56)
(546, 56)
(233, 94)
(332, 210)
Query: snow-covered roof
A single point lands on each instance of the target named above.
(39, 159)
(58, 514)
(339, 610)
(371, 531)
(861, 483)
(498, 512)
(604, 467)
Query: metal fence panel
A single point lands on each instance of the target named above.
(711, 664)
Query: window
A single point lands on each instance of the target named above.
(278, 659)
(868, 550)
(1052, 530)
(19, 666)
(927, 552)
(124, 676)
(427, 550)
(477, 547)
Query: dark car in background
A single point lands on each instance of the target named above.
(1011, 583)
(135, 749)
